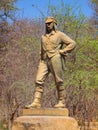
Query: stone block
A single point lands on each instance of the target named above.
(45, 123)
(45, 119)
(46, 112)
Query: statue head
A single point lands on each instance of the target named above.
(51, 24)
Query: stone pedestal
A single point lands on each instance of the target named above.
(45, 112)
(45, 119)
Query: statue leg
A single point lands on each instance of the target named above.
(61, 97)
(42, 74)
(37, 98)
(57, 72)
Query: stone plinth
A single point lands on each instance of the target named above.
(45, 119)
(45, 123)
(46, 112)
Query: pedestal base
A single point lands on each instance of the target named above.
(46, 112)
(45, 123)
(48, 119)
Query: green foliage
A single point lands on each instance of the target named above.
(94, 2)
(7, 9)
(18, 84)
(85, 69)
(3, 126)
(29, 42)
(19, 89)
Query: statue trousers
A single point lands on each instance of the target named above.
(53, 65)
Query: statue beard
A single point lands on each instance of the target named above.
(49, 30)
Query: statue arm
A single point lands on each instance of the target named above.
(70, 44)
(41, 51)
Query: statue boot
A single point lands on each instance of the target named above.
(37, 98)
(61, 99)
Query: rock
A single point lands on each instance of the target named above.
(48, 119)
(45, 123)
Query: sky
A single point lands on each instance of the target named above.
(26, 10)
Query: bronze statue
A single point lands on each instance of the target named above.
(51, 60)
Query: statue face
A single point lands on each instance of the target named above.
(49, 26)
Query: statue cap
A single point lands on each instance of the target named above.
(50, 19)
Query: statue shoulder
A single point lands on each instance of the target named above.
(60, 32)
(42, 36)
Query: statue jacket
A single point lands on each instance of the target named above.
(54, 43)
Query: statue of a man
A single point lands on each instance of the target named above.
(51, 60)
